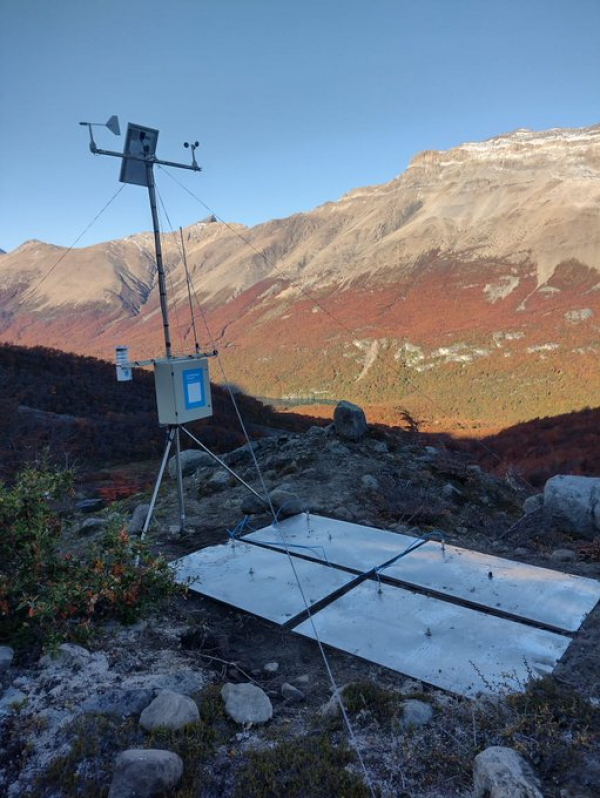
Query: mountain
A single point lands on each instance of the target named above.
(466, 289)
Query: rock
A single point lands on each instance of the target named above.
(332, 708)
(145, 773)
(246, 703)
(291, 693)
(380, 447)
(182, 680)
(315, 432)
(123, 703)
(349, 421)
(169, 710)
(252, 505)
(90, 505)
(500, 772)
(6, 658)
(241, 456)
(533, 503)
(574, 503)
(77, 658)
(286, 503)
(138, 519)
(219, 481)
(369, 482)
(563, 555)
(191, 461)
(10, 700)
(416, 713)
(93, 524)
(271, 668)
(411, 687)
(451, 492)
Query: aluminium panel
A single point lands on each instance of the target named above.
(452, 647)
(541, 595)
(258, 580)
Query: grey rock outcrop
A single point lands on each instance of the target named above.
(122, 703)
(75, 658)
(169, 710)
(349, 421)
(500, 772)
(138, 519)
(246, 703)
(142, 773)
(191, 461)
(574, 502)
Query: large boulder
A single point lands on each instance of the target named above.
(349, 421)
(500, 772)
(574, 503)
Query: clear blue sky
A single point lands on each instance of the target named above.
(294, 101)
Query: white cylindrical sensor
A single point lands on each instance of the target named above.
(123, 368)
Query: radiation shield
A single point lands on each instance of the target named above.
(182, 390)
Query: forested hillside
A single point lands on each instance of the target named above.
(74, 408)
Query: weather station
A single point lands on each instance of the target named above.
(463, 621)
(182, 383)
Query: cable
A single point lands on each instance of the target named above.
(79, 237)
(189, 287)
(168, 270)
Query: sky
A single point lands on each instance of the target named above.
(294, 102)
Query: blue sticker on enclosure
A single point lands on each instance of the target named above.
(193, 388)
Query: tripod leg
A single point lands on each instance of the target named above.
(180, 499)
(159, 478)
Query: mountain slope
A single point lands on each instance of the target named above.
(472, 276)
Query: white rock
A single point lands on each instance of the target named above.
(246, 703)
(500, 772)
(416, 713)
(574, 502)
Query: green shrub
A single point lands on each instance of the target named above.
(310, 766)
(47, 595)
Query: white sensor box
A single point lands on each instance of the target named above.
(182, 390)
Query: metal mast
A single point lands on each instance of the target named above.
(137, 166)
